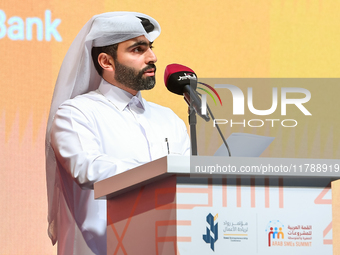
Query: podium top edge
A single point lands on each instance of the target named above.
(187, 165)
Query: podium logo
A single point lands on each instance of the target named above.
(17, 28)
(211, 235)
(275, 233)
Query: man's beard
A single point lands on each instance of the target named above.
(131, 78)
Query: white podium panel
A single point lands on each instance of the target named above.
(163, 208)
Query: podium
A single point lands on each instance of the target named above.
(174, 205)
(141, 207)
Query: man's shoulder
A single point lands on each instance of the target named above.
(86, 105)
(159, 108)
(87, 99)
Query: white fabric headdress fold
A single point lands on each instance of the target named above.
(77, 76)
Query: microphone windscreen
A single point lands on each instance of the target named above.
(177, 76)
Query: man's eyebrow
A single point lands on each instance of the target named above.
(141, 43)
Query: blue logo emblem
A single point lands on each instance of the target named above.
(212, 232)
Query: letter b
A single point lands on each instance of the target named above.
(2, 24)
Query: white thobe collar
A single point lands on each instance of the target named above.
(119, 97)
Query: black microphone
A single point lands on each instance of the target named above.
(181, 80)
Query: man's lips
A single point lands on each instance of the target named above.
(150, 72)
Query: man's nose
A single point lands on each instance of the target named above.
(151, 57)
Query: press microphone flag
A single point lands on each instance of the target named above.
(182, 80)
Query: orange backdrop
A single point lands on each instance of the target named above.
(278, 38)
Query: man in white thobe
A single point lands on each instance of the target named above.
(106, 127)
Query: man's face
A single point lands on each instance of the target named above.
(134, 66)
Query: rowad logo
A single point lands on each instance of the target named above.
(275, 232)
(211, 235)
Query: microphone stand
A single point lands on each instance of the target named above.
(193, 135)
(193, 122)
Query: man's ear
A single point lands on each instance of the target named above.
(106, 62)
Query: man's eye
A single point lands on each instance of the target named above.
(138, 49)
(141, 49)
